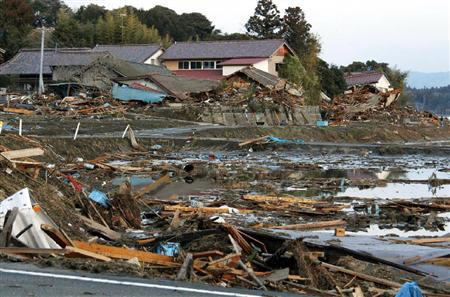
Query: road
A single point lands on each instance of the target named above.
(18, 279)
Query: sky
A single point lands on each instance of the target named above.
(413, 35)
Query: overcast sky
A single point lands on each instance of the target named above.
(412, 34)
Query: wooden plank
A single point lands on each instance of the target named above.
(124, 253)
(106, 232)
(56, 235)
(208, 254)
(10, 217)
(312, 226)
(18, 110)
(154, 186)
(252, 141)
(440, 261)
(429, 240)
(74, 252)
(25, 153)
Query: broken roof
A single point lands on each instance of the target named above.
(362, 78)
(27, 61)
(264, 78)
(138, 53)
(177, 86)
(223, 49)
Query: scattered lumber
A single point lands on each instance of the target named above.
(312, 226)
(153, 186)
(74, 252)
(210, 210)
(61, 239)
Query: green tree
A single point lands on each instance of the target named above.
(16, 19)
(67, 30)
(166, 20)
(266, 22)
(48, 10)
(297, 33)
(332, 80)
(90, 13)
(195, 25)
(295, 72)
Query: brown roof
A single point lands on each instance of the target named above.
(263, 78)
(362, 78)
(223, 49)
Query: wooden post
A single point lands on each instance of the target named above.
(76, 131)
(186, 269)
(125, 132)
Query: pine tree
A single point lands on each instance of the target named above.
(266, 22)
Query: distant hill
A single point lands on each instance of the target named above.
(420, 80)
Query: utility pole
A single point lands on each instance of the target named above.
(41, 88)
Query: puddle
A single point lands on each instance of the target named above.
(398, 191)
(134, 180)
(375, 230)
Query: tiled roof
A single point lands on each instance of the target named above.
(201, 74)
(130, 52)
(27, 61)
(222, 49)
(362, 78)
(241, 61)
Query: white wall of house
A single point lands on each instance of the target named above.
(154, 59)
(263, 65)
(383, 83)
(228, 70)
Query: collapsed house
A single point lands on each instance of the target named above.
(376, 79)
(137, 53)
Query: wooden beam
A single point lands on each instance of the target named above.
(106, 232)
(312, 226)
(18, 110)
(10, 217)
(203, 209)
(186, 269)
(124, 253)
(429, 240)
(30, 251)
(154, 186)
(363, 276)
(25, 153)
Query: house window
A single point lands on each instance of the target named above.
(278, 66)
(209, 64)
(218, 66)
(196, 65)
(183, 65)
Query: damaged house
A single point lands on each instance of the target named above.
(374, 78)
(81, 65)
(218, 59)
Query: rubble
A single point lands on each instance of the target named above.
(235, 234)
(367, 103)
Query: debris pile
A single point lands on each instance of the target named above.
(233, 235)
(367, 103)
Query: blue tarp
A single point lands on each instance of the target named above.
(410, 289)
(273, 139)
(100, 198)
(126, 93)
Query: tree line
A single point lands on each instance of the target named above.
(436, 100)
(92, 24)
